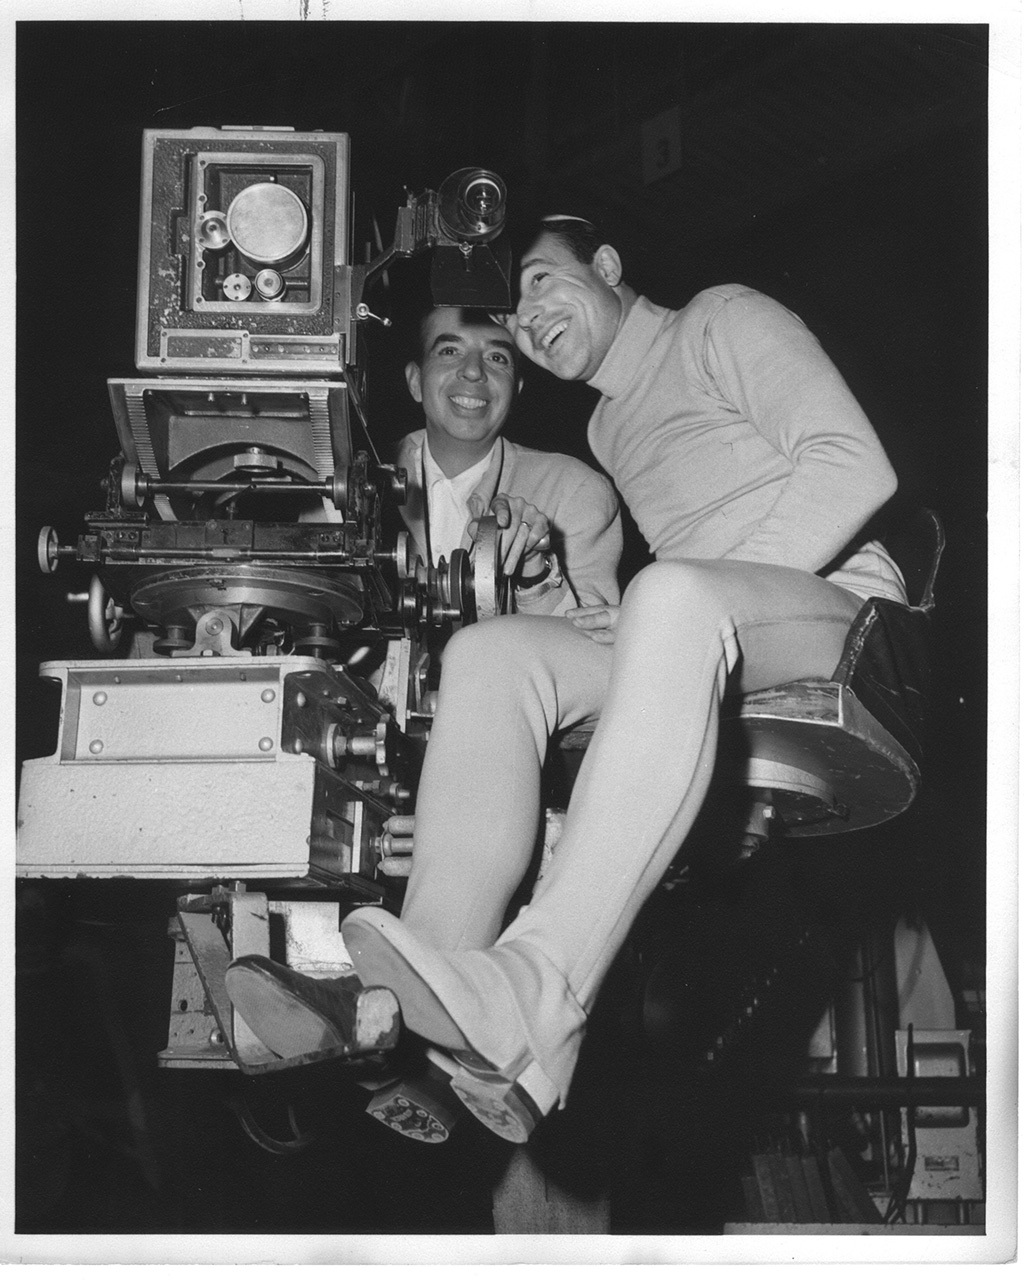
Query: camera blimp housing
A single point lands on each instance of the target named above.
(244, 233)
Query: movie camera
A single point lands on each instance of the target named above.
(242, 552)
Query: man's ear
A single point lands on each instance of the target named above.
(609, 265)
(412, 378)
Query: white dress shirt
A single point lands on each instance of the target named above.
(448, 501)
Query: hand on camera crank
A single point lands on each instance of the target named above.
(525, 533)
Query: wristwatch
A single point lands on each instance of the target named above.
(550, 566)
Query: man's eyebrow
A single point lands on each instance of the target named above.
(445, 337)
(532, 262)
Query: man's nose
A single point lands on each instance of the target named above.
(472, 367)
(526, 313)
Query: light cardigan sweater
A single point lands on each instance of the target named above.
(730, 434)
(586, 532)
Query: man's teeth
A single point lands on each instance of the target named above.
(553, 333)
(467, 402)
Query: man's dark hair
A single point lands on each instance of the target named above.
(581, 237)
(471, 316)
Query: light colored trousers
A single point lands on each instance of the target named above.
(688, 631)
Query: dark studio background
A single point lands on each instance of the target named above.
(842, 169)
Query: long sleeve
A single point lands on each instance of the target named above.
(587, 540)
(765, 362)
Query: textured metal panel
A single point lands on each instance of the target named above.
(149, 708)
(172, 820)
(174, 712)
(194, 1038)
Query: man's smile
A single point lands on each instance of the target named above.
(468, 402)
(553, 334)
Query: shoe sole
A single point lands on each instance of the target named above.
(290, 1028)
(502, 1105)
(420, 1107)
(402, 1113)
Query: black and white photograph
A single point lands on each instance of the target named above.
(515, 639)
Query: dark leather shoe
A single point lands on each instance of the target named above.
(294, 1014)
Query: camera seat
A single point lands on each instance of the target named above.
(837, 755)
(846, 753)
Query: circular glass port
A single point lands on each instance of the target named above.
(268, 223)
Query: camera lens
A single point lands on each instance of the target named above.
(472, 205)
(482, 197)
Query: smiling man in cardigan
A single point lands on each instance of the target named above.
(561, 537)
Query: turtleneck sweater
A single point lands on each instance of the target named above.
(730, 434)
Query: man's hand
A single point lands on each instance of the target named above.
(597, 620)
(526, 532)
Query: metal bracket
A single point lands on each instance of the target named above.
(219, 928)
(211, 954)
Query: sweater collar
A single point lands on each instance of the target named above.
(630, 345)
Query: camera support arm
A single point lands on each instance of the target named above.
(467, 216)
